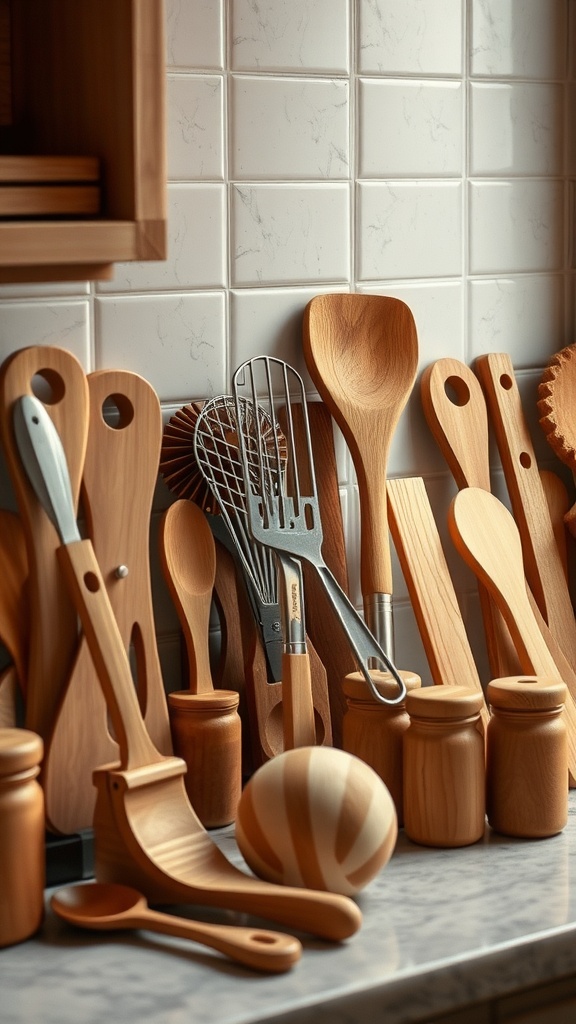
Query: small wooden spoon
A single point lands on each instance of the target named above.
(188, 556)
(105, 906)
(362, 354)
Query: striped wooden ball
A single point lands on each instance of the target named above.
(316, 817)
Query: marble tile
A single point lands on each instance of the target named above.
(520, 38)
(516, 129)
(515, 226)
(418, 37)
(409, 230)
(195, 127)
(522, 315)
(65, 324)
(290, 35)
(194, 34)
(177, 342)
(411, 128)
(268, 321)
(195, 212)
(288, 128)
(290, 234)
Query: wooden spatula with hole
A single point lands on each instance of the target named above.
(146, 832)
(485, 534)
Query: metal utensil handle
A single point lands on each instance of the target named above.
(362, 643)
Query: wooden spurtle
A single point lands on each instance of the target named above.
(556, 396)
(542, 561)
(455, 409)
(362, 354)
(486, 535)
(106, 906)
(146, 832)
(430, 586)
(57, 375)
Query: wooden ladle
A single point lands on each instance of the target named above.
(362, 354)
(104, 906)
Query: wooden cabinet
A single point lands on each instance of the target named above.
(84, 79)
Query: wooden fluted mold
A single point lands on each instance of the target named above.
(556, 402)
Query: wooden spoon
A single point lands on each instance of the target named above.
(486, 535)
(362, 354)
(188, 557)
(556, 393)
(105, 906)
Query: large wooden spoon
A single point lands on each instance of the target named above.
(104, 906)
(486, 535)
(362, 354)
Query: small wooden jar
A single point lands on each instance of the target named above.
(527, 756)
(373, 731)
(444, 777)
(22, 835)
(207, 734)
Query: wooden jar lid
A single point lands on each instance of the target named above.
(444, 702)
(531, 693)
(186, 700)
(356, 688)
(20, 749)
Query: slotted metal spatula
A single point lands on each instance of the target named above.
(281, 495)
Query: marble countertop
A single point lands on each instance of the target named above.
(441, 928)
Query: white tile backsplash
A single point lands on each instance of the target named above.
(422, 149)
(410, 127)
(289, 129)
(290, 234)
(409, 229)
(290, 35)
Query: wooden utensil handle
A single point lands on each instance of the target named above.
(87, 589)
(256, 947)
(375, 560)
(297, 705)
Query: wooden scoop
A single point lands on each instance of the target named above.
(362, 354)
(107, 906)
(146, 832)
(486, 535)
(556, 397)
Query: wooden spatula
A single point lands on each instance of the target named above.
(542, 562)
(362, 354)
(486, 535)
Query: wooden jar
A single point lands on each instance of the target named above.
(527, 756)
(373, 731)
(444, 776)
(207, 735)
(22, 832)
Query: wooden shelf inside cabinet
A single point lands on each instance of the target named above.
(82, 77)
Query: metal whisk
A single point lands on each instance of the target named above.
(218, 459)
(282, 501)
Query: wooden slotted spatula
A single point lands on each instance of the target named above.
(542, 561)
(556, 401)
(362, 354)
(485, 534)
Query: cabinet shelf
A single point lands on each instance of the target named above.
(84, 78)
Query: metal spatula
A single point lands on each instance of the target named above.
(282, 500)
